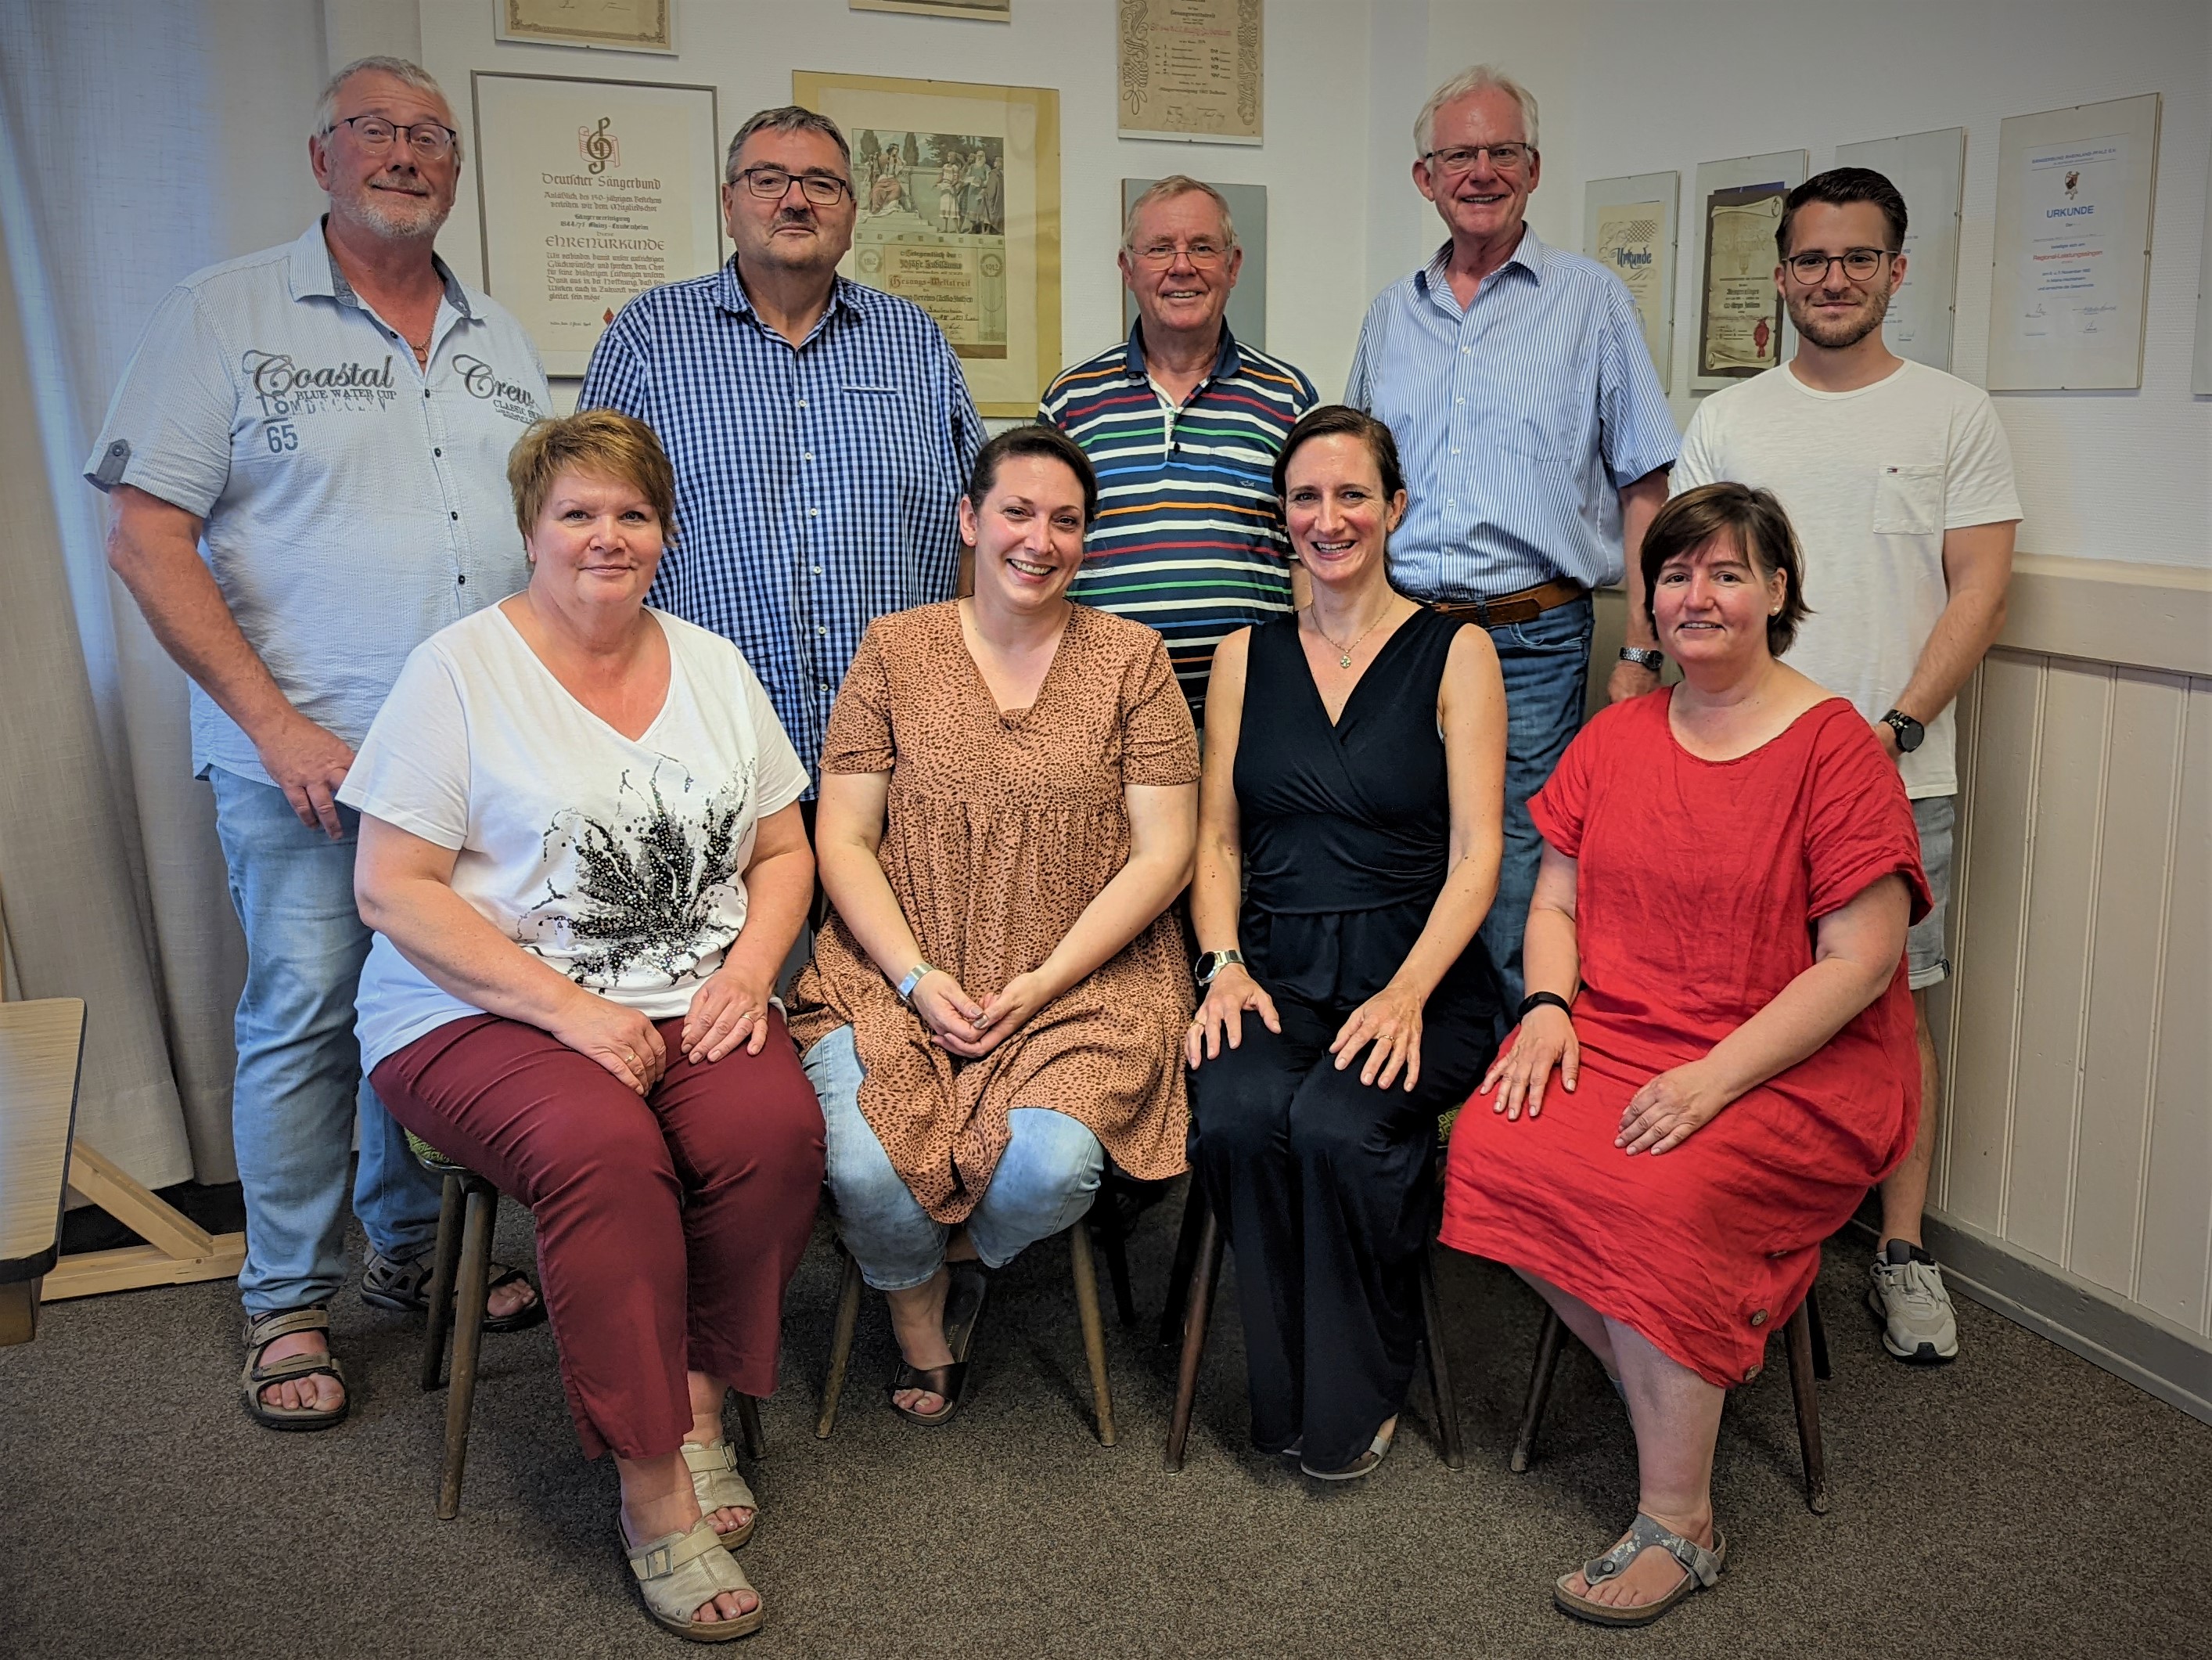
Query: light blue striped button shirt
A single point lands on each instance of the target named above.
(1519, 420)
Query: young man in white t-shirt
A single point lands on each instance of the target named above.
(1899, 481)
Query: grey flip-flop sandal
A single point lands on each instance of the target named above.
(1701, 1568)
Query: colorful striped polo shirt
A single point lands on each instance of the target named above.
(1188, 538)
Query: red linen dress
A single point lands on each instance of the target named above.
(1697, 886)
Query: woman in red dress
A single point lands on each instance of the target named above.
(1713, 960)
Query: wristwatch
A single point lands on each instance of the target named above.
(915, 977)
(1214, 962)
(1909, 731)
(1644, 657)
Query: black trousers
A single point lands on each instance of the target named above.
(1325, 1186)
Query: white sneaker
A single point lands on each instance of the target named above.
(1918, 1323)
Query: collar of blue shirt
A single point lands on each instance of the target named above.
(1528, 254)
(312, 271)
(730, 295)
(1227, 361)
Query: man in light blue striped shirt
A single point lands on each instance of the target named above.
(1535, 440)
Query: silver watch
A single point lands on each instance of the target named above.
(1214, 962)
(1644, 657)
(915, 977)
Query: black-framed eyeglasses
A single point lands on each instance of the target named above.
(1202, 253)
(427, 139)
(1461, 158)
(770, 185)
(1858, 263)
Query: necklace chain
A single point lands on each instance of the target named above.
(1344, 652)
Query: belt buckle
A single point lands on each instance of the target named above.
(1482, 613)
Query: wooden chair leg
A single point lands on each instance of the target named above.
(1820, 1330)
(1172, 1312)
(470, 1297)
(1203, 1278)
(1807, 1391)
(442, 1265)
(1094, 1329)
(1446, 1402)
(840, 1347)
(749, 1427)
(1540, 1386)
(1113, 1239)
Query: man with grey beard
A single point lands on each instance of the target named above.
(1899, 481)
(306, 461)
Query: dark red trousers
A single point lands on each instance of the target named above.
(668, 1226)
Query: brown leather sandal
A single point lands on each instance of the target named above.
(262, 1329)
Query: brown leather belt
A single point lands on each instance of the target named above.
(1507, 608)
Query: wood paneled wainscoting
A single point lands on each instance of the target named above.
(2073, 1180)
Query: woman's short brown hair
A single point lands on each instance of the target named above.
(1048, 443)
(1342, 420)
(1760, 530)
(605, 443)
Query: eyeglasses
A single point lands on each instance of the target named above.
(1461, 158)
(771, 184)
(429, 139)
(1858, 263)
(1160, 255)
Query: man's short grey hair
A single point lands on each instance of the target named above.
(1481, 78)
(785, 118)
(413, 75)
(1175, 184)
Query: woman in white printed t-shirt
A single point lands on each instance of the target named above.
(581, 852)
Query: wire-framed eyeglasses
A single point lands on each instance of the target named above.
(1858, 263)
(1461, 158)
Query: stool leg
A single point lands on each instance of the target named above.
(468, 1334)
(749, 1427)
(840, 1348)
(1094, 1329)
(1186, 1258)
(1806, 1392)
(1540, 1386)
(1204, 1278)
(1820, 1330)
(1440, 1383)
(441, 1282)
(1113, 1239)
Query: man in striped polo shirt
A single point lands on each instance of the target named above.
(1182, 425)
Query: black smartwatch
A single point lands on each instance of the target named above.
(1909, 731)
(1537, 999)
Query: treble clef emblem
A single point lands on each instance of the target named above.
(600, 146)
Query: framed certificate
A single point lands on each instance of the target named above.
(1930, 171)
(1628, 226)
(1742, 324)
(589, 192)
(1192, 69)
(609, 25)
(988, 11)
(957, 194)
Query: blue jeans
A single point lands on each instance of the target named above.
(294, 1104)
(1546, 665)
(1045, 1181)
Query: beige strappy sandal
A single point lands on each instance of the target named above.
(678, 1572)
(714, 1478)
(262, 1331)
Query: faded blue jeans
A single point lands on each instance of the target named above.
(1045, 1181)
(299, 1086)
(1546, 662)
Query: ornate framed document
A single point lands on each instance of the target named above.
(1740, 319)
(1930, 171)
(1192, 69)
(957, 188)
(990, 11)
(2072, 259)
(1247, 301)
(1628, 226)
(2200, 376)
(588, 193)
(611, 25)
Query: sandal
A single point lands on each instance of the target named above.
(1701, 1568)
(262, 1331)
(1362, 1465)
(679, 1573)
(404, 1288)
(963, 1308)
(715, 1479)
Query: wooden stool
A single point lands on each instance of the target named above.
(1805, 1338)
(458, 1290)
(1086, 1308)
(1192, 1282)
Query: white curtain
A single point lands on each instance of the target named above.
(139, 140)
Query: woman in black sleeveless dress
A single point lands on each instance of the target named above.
(1355, 759)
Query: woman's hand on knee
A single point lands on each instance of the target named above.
(1388, 1025)
(1544, 1040)
(1234, 991)
(725, 1011)
(620, 1039)
(1670, 1109)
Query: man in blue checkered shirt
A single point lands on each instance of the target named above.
(820, 429)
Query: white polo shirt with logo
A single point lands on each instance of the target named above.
(354, 503)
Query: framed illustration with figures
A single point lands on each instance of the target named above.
(957, 196)
(589, 192)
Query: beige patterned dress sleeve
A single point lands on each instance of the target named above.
(999, 829)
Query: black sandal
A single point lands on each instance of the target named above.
(963, 1308)
(404, 1288)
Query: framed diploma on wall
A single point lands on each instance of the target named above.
(589, 192)
(957, 192)
(609, 25)
(1930, 171)
(1740, 319)
(2200, 376)
(1628, 226)
(1193, 69)
(2072, 258)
